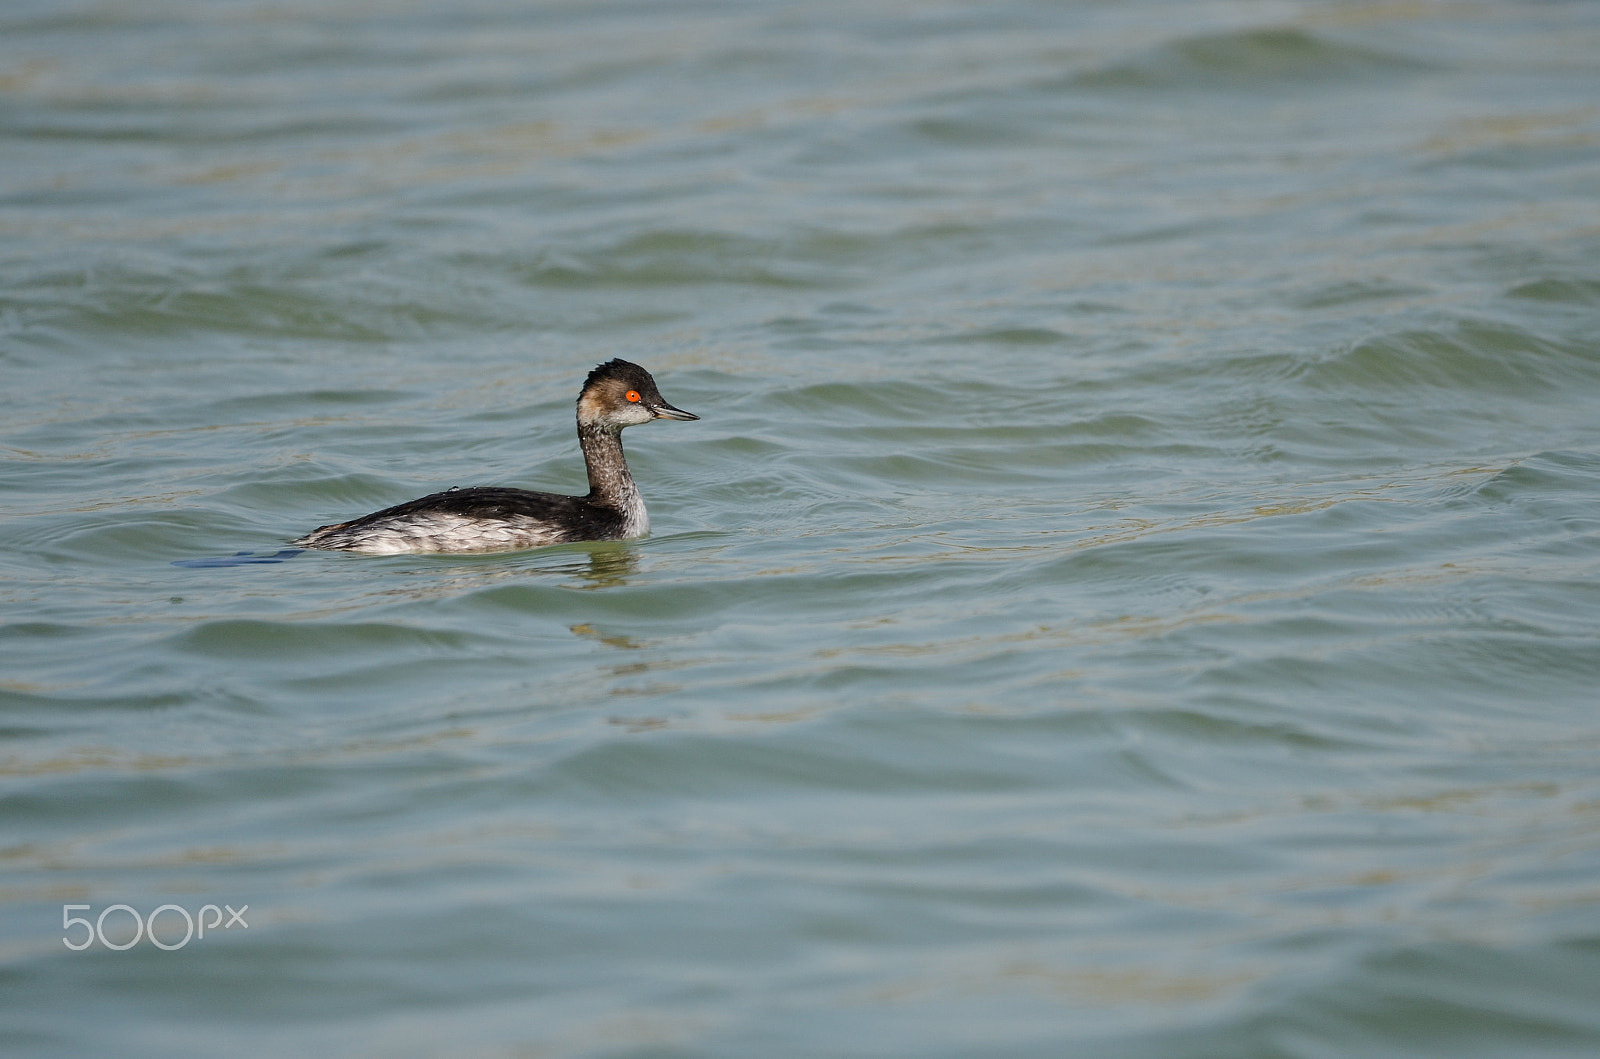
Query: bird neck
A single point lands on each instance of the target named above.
(609, 481)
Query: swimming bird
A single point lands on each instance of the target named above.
(616, 394)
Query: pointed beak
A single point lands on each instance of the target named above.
(666, 411)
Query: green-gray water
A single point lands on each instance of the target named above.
(1133, 592)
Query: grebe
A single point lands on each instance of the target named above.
(616, 394)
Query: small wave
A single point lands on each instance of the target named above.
(1264, 59)
(1546, 475)
(1471, 356)
(239, 638)
(240, 559)
(673, 257)
(137, 302)
(1564, 291)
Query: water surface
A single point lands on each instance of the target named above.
(1133, 590)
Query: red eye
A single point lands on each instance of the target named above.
(633, 395)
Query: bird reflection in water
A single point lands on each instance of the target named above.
(607, 567)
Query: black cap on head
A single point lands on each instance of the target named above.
(623, 371)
